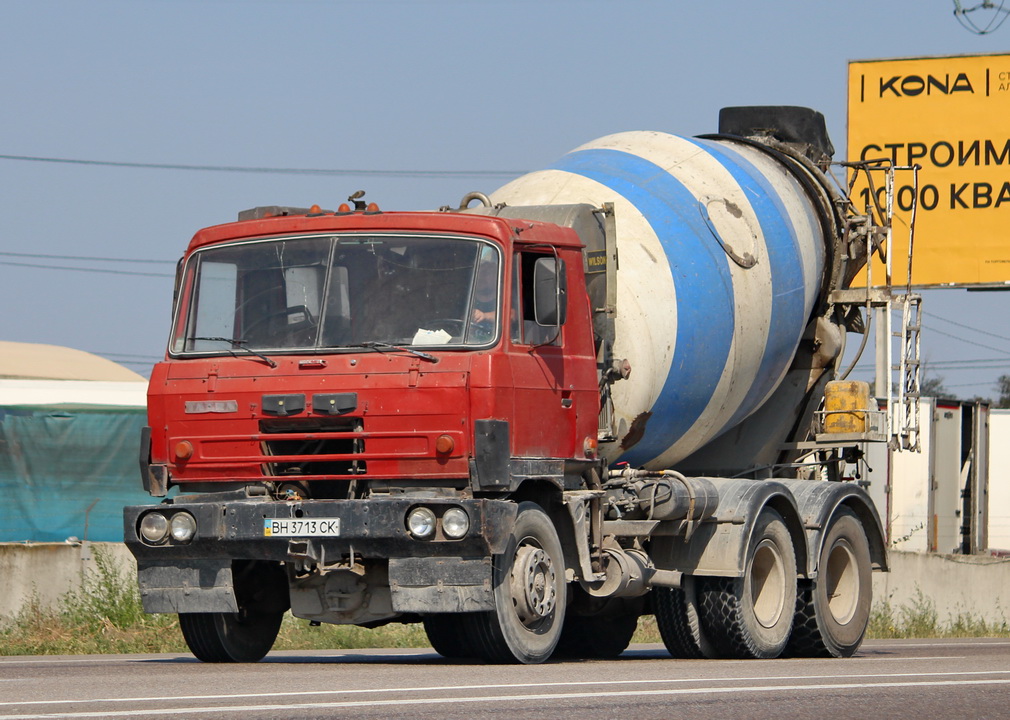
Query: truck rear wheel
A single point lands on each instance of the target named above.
(833, 611)
(530, 594)
(599, 636)
(230, 637)
(752, 616)
(679, 622)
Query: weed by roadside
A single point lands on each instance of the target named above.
(105, 616)
(919, 619)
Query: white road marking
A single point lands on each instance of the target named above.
(280, 658)
(506, 698)
(84, 660)
(911, 644)
(498, 686)
(88, 659)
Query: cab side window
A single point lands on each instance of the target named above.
(539, 295)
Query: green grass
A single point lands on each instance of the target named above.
(105, 616)
(648, 631)
(296, 634)
(921, 620)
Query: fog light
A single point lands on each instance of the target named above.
(154, 527)
(182, 527)
(421, 522)
(455, 523)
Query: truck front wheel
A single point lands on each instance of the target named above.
(752, 616)
(230, 637)
(530, 594)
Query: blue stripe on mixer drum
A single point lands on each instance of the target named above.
(788, 314)
(701, 279)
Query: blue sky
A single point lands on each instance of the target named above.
(436, 86)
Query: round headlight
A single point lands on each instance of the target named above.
(182, 527)
(455, 523)
(154, 527)
(421, 522)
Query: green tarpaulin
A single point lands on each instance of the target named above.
(68, 472)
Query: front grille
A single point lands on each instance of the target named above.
(315, 437)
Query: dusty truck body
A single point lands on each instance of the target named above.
(596, 394)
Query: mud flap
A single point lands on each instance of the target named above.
(441, 584)
(187, 587)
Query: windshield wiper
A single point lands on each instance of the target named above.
(382, 346)
(241, 345)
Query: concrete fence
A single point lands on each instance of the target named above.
(958, 585)
(49, 570)
(978, 586)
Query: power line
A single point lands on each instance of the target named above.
(966, 327)
(85, 258)
(980, 364)
(83, 269)
(149, 358)
(974, 384)
(274, 170)
(138, 363)
(966, 364)
(965, 340)
(966, 368)
(945, 371)
(999, 15)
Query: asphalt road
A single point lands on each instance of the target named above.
(886, 679)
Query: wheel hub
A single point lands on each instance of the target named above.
(533, 580)
(842, 581)
(767, 584)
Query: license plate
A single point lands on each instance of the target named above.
(301, 527)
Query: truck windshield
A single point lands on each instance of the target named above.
(344, 291)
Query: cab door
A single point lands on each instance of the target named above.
(543, 378)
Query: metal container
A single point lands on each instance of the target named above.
(721, 258)
(845, 405)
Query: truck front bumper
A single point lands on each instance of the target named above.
(196, 576)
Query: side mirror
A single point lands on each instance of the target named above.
(550, 297)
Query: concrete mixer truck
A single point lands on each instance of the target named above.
(606, 390)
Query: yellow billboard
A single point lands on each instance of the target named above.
(951, 116)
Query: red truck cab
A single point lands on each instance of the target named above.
(339, 355)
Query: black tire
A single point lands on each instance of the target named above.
(752, 616)
(833, 611)
(596, 637)
(449, 634)
(679, 622)
(530, 594)
(230, 637)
